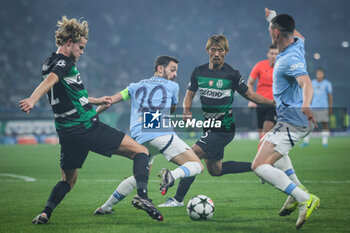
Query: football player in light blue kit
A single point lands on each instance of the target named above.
(321, 105)
(292, 91)
(157, 94)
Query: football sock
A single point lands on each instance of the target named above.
(235, 167)
(123, 189)
(184, 186)
(307, 139)
(325, 135)
(280, 180)
(285, 164)
(57, 194)
(141, 173)
(300, 195)
(187, 169)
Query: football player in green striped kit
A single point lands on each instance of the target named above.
(77, 123)
(217, 81)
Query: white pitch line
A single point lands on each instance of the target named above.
(224, 181)
(117, 181)
(25, 178)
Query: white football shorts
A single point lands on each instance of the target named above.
(284, 136)
(168, 145)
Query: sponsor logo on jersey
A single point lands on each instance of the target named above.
(219, 84)
(211, 83)
(61, 63)
(210, 93)
(298, 65)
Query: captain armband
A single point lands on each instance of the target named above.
(125, 94)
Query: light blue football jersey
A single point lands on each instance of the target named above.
(290, 64)
(321, 91)
(150, 95)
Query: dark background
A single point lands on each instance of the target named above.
(126, 36)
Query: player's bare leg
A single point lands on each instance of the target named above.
(184, 184)
(268, 125)
(215, 168)
(262, 166)
(189, 165)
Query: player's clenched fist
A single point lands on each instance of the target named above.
(26, 105)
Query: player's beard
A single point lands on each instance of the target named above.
(166, 76)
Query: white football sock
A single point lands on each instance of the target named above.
(186, 170)
(300, 195)
(123, 189)
(285, 164)
(325, 135)
(280, 180)
(307, 139)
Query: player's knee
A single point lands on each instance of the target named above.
(197, 166)
(201, 167)
(193, 157)
(254, 166)
(71, 181)
(214, 172)
(141, 150)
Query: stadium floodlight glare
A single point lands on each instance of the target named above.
(317, 56)
(345, 44)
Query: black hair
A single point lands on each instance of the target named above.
(164, 61)
(273, 46)
(285, 23)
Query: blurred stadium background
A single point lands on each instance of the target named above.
(126, 36)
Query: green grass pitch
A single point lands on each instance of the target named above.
(242, 204)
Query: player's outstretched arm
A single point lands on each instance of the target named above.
(120, 96)
(270, 14)
(187, 104)
(27, 105)
(104, 100)
(308, 91)
(250, 85)
(256, 98)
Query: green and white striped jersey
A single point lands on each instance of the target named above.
(68, 97)
(216, 89)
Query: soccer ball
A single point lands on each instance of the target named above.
(200, 207)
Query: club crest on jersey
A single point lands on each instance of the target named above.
(61, 63)
(219, 83)
(211, 83)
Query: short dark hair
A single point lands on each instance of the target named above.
(164, 61)
(285, 23)
(272, 46)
